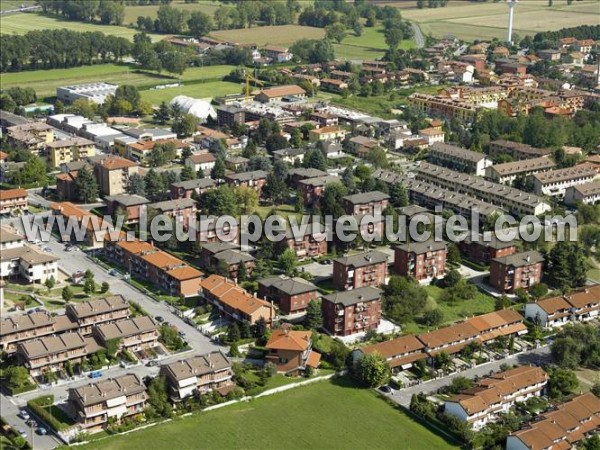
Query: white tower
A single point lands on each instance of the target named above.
(511, 6)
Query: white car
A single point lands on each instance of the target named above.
(24, 415)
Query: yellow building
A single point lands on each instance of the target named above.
(332, 133)
(68, 150)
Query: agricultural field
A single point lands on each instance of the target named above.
(471, 21)
(7, 5)
(370, 45)
(332, 410)
(23, 22)
(206, 90)
(282, 35)
(133, 12)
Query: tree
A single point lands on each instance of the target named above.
(378, 158)
(247, 198)
(420, 4)
(185, 126)
(452, 278)
(296, 138)
(233, 332)
(562, 382)
(234, 351)
(136, 185)
(592, 442)
(199, 24)
(86, 188)
(34, 172)
(315, 159)
(335, 32)
(331, 202)
(82, 107)
(89, 286)
(393, 37)
(538, 291)
(187, 173)
(398, 195)
(50, 283)
(163, 113)
(287, 262)
(567, 265)
(218, 170)
(314, 315)
(154, 185)
(372, 370)
(16, 376)
(433, 317)
(104, 287)
(67, 294)
(596, 389)
(501, 302)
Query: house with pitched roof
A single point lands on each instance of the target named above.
(363, 269)
(400, 353)
(291, 294)
(291, 351)
(421, 260)
(133, 334)
(352, 311)
(520, 270)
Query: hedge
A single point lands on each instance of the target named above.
(21, 389)
(37, 405)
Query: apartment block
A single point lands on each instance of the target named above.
(496, 394)
(112, 174)
(15, 330)
(372, 203)
(297, 174)
(516, 150)
(459, 159)
(98, 311)
(235, 302)
(255, 180)
(180, 210)
(130, 205)
(436, 106)
(28, 263)
(421, 260)
(205, 161)
(115, 398)
(13, 200)
(226, 258)
(332, 133)
(306, 245)
(507, 173)
(554, 183)
(291, 351)
(133, 334)
(578, 306)
(520, 270)
(292, 295)
(588, 193)
(313, 188)
(67, 150)
(360, 270)
(483, 250)
(93, 236)
(511, 199)
(32, 136)
(185, 189)
(562, 427)
(352, 311)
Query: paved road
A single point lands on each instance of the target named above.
(538, 355)
(419, 39)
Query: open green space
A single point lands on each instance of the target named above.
(210, 89)
(7, 5)
(322, 415)
(23, 22)
(283, 35)
(133, 12)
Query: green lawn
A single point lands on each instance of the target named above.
(368, 46)
(199, 90)
(333, 415)
(133, 12)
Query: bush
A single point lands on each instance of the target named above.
(39, 407)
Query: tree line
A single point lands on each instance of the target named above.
(105, 11)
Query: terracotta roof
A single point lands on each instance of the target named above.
(314, 359)
(116, 162)
(395, 347)
(325, 130)
(185, 273)
(584, 297)
(13, 193)
(200, 158)
(136, 247)
(282, 91)
(289, 340)
(232, 295)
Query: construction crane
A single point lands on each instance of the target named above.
(250, 78)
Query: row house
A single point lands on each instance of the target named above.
(67, 150)
(306, 244)
(496, 394)
(185, 189)
(352, 311)
(201, 161)
(373, 203)
(235, 302)
(198, 375)
(310, 78)
(278, 93)
(333, 85)
(360, 270)
(421, 260)
(400, 353)
(516, 150)
(13, 200)
(98, 311)
(482, 250)
(181, 209)
(95, 404)
(131, 206)
(291, 351)
(32, 136)
(459, 159)
(292, 295)
(562, 427)
(516, 271)
(226, 258)
(435, 106)
(578, 306)
(167, 272)
(51, 352)
(15, 330)
(511, 199)
(507, 173)
(255, 180)
(330, 133)
(588, 193)
(312, 189)
(555, 182)
(133, 334)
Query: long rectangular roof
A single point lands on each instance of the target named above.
(53, 344)
(456, 152)
(354, 296)
(97, 306)
(101, 391)
(126, 328)
(363, 259)
(197, 365)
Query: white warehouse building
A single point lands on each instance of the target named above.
(93, 92)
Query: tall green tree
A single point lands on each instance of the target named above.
(86, 188)
(372, 370)
(567, 265)
(314, 315)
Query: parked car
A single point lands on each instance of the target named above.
(41, 431)
(23, 434)
(385, 388)
(95, 374)
(31, 423)
(159, 319)
(24, 415)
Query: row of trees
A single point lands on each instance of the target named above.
(105, 11)
(160, 56)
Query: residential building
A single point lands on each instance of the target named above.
(331, 133)
(433, 135)
(141, 150)
(482, 250)
(133, 334)
(549, 54)
(22, 328)
(292, 295)
(228, 115)
(577, 306)
(562, 427)
(130, 205)
(507, 173)
(291, 351)
(289, 155)
(360, 270)
(330, 84)
(459, 159)
(278, 54)
(588, 193)
(236, 163)
(112, 174)
(51, 352)
(279, 93)
(313, 188)
(400, 353)
(181, 209)
(421, 260)
(13, 200)
(352, 311)
(185, 189)
(235, 302)
(306, 245)
(555, 182)
(372, 203)
(96, 312)
(516, 150)
(210, 230)
(433, 105)
(496, 394)
(198, 375)
(205, 161)
(28, 263)
(92, 92)
(32, 136)
(95, 404)
(94, 234)
(255, 180)
(67, 150)
(520, 270)
(513, 200)
(300, 173)
(226, 258)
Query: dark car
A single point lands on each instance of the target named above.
(385, 388)
(159, 319)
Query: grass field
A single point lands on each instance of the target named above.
(6, 5)
(469, 20)
(370, 45)
(133, 12)
(331, 415)
(284, 35)
(209, 89)
(23, 22)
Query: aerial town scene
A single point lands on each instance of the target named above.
(300, 224)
